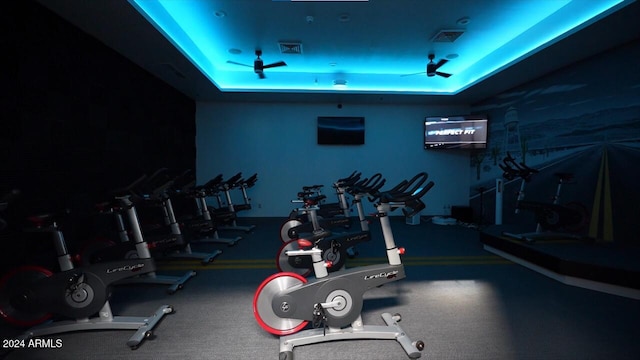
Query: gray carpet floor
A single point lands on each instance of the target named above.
(463, 302)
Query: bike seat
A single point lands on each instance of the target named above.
(315, 200)
(304, 194)
(312, 187)
(40, 219)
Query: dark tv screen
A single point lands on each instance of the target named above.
(455, 132)
(342, 130)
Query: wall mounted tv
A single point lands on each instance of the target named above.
(340, 130)
(455, 132)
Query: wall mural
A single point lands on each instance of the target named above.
(583, 120)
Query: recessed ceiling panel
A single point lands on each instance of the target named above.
(342, 47)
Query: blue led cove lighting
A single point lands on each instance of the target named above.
(497, 42)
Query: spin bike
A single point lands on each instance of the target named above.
(182, 248)
(234, 182)
(202, 227)
(551, 217)
(132, 245)
(330, 216)
(30, 296)
(165, 238)
(285, 303)
(340, 186)
(335, 247)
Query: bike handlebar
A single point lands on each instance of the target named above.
(512, 169)
(368, 185)
(400, 194)
(355, 176)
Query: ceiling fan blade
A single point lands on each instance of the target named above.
(419, 73)
(261, 75)
(276, 64)
(443, 74)
(237, 63)
(440, 63)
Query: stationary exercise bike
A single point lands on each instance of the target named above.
(162, 232)
(551, 217)
(201, 226)
(330, 216)
(335, 247)
(32, 295)
(234, 182)
(340, 186)
(285, 303)
(132, 245)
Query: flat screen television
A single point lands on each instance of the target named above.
(340, 130)
(455, 132)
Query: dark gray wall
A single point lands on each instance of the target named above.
(79, 119)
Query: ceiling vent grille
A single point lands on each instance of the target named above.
(290, 47)
(447, 36)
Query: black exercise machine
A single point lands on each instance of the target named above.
(554, 220)
(227, 214)
(285, 303)
(30, 296)
(330, 215)
(336, 247)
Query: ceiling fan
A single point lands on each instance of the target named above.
(432, 68)
(258, 64)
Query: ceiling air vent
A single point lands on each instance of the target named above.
(290, 47)
(447, 36)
